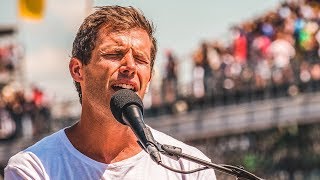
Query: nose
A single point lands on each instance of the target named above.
(128, 65)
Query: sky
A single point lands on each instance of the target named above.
(180, 26)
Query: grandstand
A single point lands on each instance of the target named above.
(260, 106)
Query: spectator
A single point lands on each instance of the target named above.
(170, 79)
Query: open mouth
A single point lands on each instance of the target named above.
(117, 87)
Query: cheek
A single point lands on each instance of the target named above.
(144, 76)
(108, 70)
(100, 76)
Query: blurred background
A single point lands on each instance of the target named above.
(240, 80)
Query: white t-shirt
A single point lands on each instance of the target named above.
(54, 157)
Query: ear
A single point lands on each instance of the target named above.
(75, 68)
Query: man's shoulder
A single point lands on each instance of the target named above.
(163, 138)
(32, 158)
(23, 159)
(46, 144)
(45, 147)
(24, 165)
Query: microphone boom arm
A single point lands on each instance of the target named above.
(176, 153)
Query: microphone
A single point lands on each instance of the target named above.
(127, 108)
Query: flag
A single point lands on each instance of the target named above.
(31, 9)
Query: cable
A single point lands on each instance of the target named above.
(183, 172)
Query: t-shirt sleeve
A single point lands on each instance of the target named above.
(24, 165)
(14, 173)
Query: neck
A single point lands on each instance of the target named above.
(102, 138)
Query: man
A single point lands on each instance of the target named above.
(114, 49)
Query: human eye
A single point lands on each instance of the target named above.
(141, 59)
(114, 55)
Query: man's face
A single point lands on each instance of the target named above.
(119, 60)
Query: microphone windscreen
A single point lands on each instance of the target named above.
(122, 99)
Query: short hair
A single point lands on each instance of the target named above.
(115, 19)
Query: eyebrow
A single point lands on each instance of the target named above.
(109, 48)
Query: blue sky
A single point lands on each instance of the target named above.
(181, 25)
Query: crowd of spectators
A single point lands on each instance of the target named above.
(22, 111)
(276, 54)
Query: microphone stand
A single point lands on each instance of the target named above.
(176, 153)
